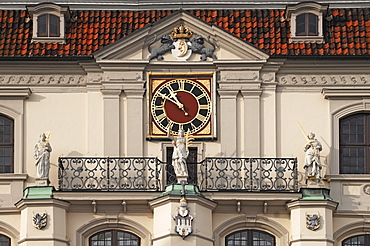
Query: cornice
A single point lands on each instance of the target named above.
(42, 80)
(327, 80)
(312, 203)
(344, 93)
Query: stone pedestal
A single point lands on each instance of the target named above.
(314, 202)
(42, 182)
(38, 202)
(166, 206)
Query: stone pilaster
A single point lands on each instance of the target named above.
(252, 123)
(228, 122)
(39, 200)
(165, 207)
(313, 202)
(111, 114)
(134, 125)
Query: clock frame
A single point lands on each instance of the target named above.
(181, 99)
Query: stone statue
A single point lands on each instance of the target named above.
(312, 163)
(42, 156)
(179, 155)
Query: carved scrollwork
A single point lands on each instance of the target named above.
(324, 79)
(43, 79)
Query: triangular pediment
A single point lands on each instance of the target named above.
(134, 47)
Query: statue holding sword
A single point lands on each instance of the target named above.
(312, 163)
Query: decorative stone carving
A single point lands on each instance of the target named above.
(183, 220)
(43, 79)
(167, 45)
(197, 45)
(324, 79)
(42, 156)
(366, 189)
(40, 220)
(181, 46)
(312, 163)
(313, 221)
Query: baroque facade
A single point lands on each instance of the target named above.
(110, 83)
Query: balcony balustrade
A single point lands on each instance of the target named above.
(151, 174)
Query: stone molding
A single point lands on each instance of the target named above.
(345, 93)
(251, 222)
(24, 203)
(351, 229)
(312, 203)
(324, 79)
(195, 199)
(19, 93)
(89, 228)
(9, 230)
(43, 79)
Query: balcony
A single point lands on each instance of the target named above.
(151, 174)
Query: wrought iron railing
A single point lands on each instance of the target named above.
(151, 174)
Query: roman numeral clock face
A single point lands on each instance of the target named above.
(185, 102)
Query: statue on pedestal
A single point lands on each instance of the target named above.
(180, 153)
(42, 156)
(312, 163)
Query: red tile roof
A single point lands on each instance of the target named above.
(348, 33)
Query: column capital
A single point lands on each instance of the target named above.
(111, 93)
(228, 94)
(134, 93)
(251, 93)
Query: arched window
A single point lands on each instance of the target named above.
(4, 240)
(48, 26)
(354, 144)
(6, 144)
(114, 238)
(250, 238)
(359, 240)
(307, 25)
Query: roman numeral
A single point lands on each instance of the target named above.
(201, 117)
(200, 96)
(181, 84)
(204, 106)
(161, 117)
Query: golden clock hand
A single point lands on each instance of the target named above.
(168, 98)
(179, 104)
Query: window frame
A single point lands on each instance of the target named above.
(9, 144)
(114, 237)
(307, 24)
(366, 240)
(2, 236)
(48, 25)
(365, 145)
(250, 241)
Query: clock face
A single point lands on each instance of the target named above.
(185, 102)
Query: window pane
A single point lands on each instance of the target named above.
(4, 240)
(6, 144)
(113, 238)
(250, 237)
(359, 240)
(42, 26)
(300, 25)
(54, 26)
(312, 24)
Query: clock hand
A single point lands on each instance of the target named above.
(179, 104)
(168, 98)
(176, 101)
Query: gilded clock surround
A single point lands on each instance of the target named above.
(181, 99)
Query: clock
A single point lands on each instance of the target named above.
(185, 101)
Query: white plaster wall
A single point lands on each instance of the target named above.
(64, 114)
(311, 110)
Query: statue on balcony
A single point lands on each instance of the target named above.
(180, 153)
(42, 156)
(312, 163)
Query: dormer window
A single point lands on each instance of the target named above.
(48, 22)
(306, 21)
(307, 25)
(48, 26)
